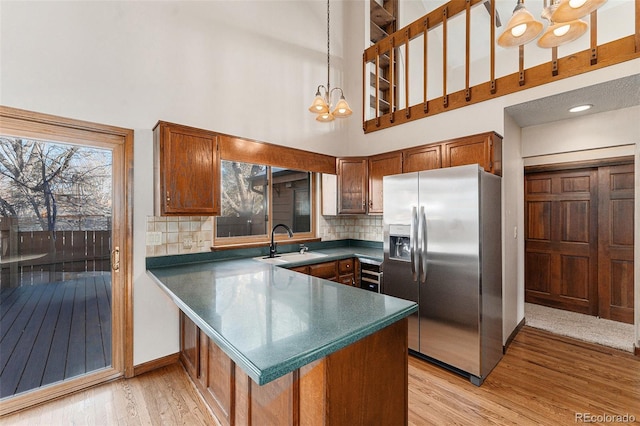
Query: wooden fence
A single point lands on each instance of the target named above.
(37, 257)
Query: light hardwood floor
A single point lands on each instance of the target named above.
(543, 379)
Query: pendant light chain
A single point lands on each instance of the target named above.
(322, 102)
(328, 50)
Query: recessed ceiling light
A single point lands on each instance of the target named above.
(580, 108)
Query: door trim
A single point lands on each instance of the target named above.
(17, 122)
(613, 161)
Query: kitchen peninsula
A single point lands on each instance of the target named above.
(266, 345)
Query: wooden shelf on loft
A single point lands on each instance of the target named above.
(379, 15)
(377, 33)
(384, 83)
(385, 107)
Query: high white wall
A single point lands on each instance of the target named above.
(248, 68)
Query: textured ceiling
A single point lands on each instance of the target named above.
(608, 96)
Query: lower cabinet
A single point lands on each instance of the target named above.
(319, 393)
(342, 271)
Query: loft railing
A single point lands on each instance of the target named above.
(415, 85)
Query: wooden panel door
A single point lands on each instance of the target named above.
(425, 157)
(615, 244)
(352, 185)
(380, 166)
(561, 255)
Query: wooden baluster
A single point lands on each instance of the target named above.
(377, 86)
(493, 47)
(392, 80)
(425, 107)
(445, 98)
(594, 37)
(407, 110)
(467, 92)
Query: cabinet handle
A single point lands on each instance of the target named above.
(168, 197)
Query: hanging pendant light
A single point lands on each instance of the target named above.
(521, 28)
(322, 102)
(560, 33)
(570, 10)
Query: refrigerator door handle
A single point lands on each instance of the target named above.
(423, 245)
(413, 242)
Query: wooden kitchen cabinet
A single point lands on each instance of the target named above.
(484, 149)
(352, 185)
(380, 166)
(426, 157)
(347, 271)
(326, 270)
(319, 393)
(189, 346)
(187, 171)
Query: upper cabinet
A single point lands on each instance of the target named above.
(424, 157)
(380, 166)
(484, 149)
(187, 171)
(359, 186)
(352, 185)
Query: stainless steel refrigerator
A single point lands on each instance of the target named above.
(442, 249)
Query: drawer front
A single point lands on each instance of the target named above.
(345, 266)
(323, 270)
(302, 269)
(347, 279)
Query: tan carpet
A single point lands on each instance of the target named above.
(583, 327)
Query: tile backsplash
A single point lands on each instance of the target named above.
(193, 234)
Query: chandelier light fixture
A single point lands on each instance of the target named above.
(322, 102)
(564, 26)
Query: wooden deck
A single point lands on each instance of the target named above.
(51, 332)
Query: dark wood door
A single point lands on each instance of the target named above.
(579, 240)
(380, 166)
(352, 185)
(561, 240)
(615, 244)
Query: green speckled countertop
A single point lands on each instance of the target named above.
(272, 321)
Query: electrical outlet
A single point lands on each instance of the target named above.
(187, 242)
(154, 238)
(199, 239)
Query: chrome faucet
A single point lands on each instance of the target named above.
(274, 246)
(303, 248)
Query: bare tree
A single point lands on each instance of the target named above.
(39, 179)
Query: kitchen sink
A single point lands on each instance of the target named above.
(290, 257)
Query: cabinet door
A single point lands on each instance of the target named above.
(425, 157)
(479, 149)
(352, 185)
(188, 169)
(189, 346)
(220, 383)
(380, 166)
(325, 270)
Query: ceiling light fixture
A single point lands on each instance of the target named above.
(564, 23)
(560, 33)
(570, 10)
(322, 102)
(521, 28)
(580, 108)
